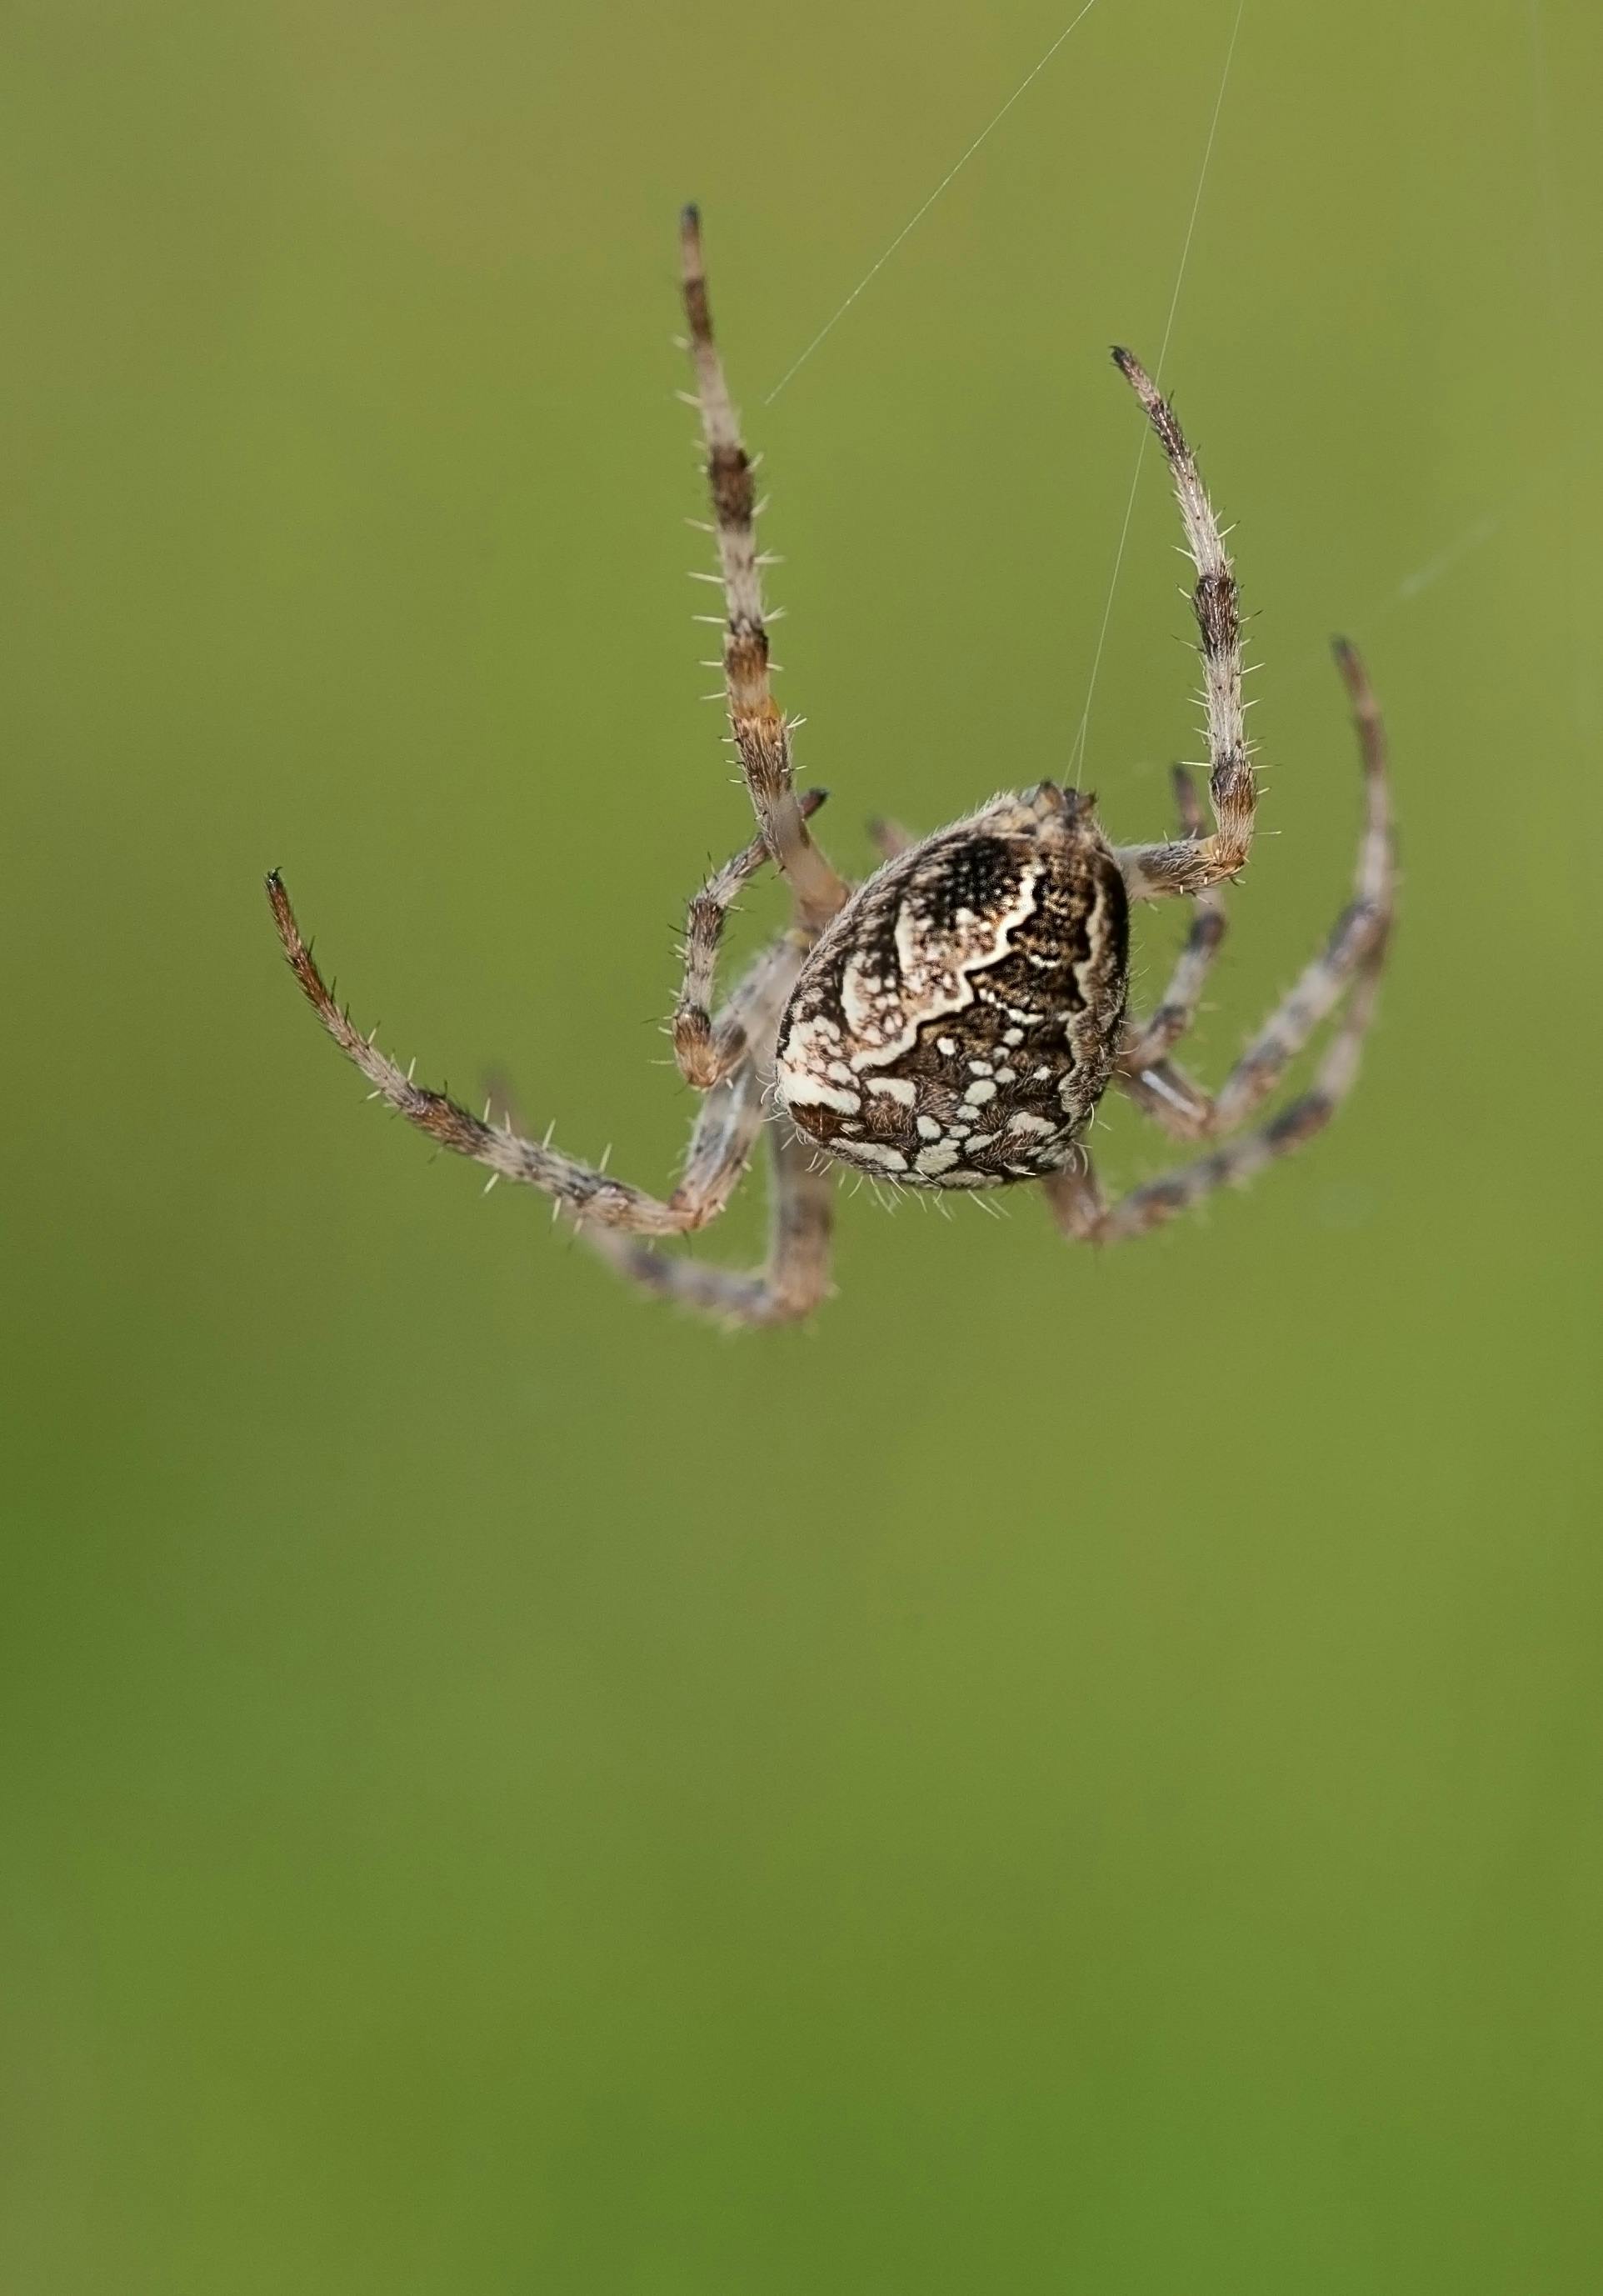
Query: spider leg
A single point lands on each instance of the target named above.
(1192, 864)
(707, 1050)
(794, 1278)
(890, 838)
(1148, 1042)
(1359, 931)
(760, 731)
(732, 1114)
(581, 1189)
(1076, 1202)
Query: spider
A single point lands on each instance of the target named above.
(955, 1021)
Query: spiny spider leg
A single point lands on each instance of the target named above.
(794, 1276)
(1076, 1200)
(1191, 865)
(733, 1112)
(759, 729)
(957, 1023)
(1179, 1104)
(1146, 1042)
(706, 1050)
(580, 1189)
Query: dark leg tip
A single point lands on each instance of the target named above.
(1349, 663)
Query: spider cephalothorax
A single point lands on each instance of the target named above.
(958, 1023)
(953, 1021)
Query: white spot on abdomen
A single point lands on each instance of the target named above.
(874, 1151)
(800, 1088)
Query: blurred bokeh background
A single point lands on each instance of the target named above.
(1070, 1773)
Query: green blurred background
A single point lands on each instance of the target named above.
(1071, 1774)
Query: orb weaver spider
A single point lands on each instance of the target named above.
(953, 1021)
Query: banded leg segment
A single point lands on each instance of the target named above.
(759, 729)
(1359, 933)
(581, 1189)
(1190, 864)
(795, 1277)
(1077, 1204)
(707, 1050)
(1148, 1041)
(732, 1113)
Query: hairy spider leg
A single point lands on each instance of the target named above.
(761, 734)
(1362, 929)
(1192, 864)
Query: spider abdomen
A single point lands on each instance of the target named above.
(956, 1024)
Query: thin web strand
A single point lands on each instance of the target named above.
(1493, 519)
(873, 272)
(1077, 754)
